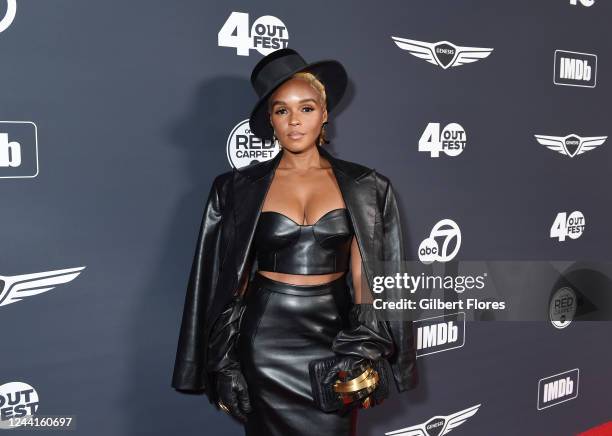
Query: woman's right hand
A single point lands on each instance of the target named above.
(232, 391)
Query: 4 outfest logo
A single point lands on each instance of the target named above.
(244, 148)
(17, 400)
(438, 425)
(572, 144)
(443, 54)
(450, 142)
(266, 35)
(564, 226)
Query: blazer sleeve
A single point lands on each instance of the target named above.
(403, 362)
(189, 371)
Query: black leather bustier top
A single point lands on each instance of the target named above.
(284, 246)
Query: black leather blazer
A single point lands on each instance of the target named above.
(224, 245)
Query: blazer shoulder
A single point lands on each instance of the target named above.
(383, 183)
(384, 188)
(354, 169)
(223, 179)
(222, 186)
(382, 178)
(256, 170)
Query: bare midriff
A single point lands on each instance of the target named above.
(302, 279)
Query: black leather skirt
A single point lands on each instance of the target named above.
(283, 328)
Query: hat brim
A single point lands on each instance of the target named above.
(330, 72)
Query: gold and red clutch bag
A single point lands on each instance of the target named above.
(370, 385)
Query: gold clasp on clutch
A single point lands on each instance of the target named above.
(359, 387)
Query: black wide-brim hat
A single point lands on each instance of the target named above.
(276, 68)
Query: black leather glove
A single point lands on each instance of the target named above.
(223, 361)
(233, 393)
(366, 341)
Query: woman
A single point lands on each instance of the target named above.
(268, 291)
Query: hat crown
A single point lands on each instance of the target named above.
(279, 66)
(274, 68)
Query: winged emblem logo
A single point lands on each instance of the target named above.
(16, 288)
(444, 54)
(438, 425)
(571, 145)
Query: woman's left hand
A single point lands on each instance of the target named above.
(350, 365)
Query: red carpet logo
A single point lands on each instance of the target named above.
(16, 288)
(562, 307)
(444, 54)
(244, 148)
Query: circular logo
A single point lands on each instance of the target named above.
(11, 11)
(244, 148)
(562, 307)
(453, 139)
(575, 224)
(430, 250)
(269, 34)
(17, 400)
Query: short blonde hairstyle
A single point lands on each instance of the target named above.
(320, 88)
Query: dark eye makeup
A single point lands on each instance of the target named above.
(278, 111)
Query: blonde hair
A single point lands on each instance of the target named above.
(320, 88)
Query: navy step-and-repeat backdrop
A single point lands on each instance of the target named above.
(491, 118)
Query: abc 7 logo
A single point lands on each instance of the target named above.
(430, 250)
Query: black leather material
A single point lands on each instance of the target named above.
(282, 245)
(365, 342)
(233, 392)
(367, 337)
(221, 343)
(225, 248)
(284, 328)
(329, 401)
(223, 361)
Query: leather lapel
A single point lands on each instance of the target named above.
(250, 188)
(358, 190)
(356, 183)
